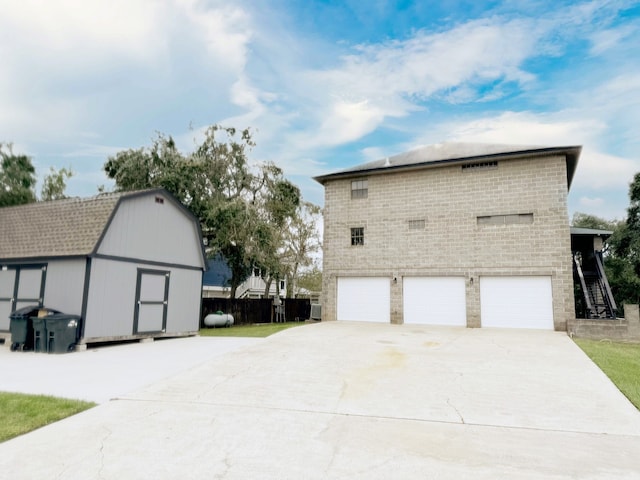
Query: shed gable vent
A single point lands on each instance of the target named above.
(472, 167)
(159, 200)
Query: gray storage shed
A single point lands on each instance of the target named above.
(130, 264)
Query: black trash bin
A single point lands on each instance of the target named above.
(21, 326)
(39, 334)
(62, 332)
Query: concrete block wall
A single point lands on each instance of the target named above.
(449, 200)
(621, 329)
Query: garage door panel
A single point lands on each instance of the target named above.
(516, 302)
(434, 300)
(365, 299)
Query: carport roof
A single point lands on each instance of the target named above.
(453, 153)
(590, 232)
(59, 228)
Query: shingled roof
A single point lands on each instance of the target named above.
(453, 153)
(59, 228)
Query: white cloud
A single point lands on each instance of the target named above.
(63, 60)
(601, 171)
(525, 128)
(589, 202)
(605, 40)
(391, 79)
(225, 29)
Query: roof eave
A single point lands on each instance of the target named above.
(590, 232)
(571, 153)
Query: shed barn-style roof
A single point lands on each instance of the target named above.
(61, 228)
(450, 153)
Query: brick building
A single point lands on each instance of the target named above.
(452, 234)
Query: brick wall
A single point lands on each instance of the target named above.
(450, 199)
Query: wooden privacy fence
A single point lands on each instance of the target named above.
(256, 310)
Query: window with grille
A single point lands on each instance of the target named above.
(357, 236)
(359, 188)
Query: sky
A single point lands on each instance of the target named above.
(324, 85)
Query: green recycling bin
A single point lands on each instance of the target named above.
(62, 332)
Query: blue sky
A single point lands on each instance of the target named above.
(325, 84)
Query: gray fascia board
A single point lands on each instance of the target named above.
(590, 232)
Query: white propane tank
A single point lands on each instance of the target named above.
(218, 319)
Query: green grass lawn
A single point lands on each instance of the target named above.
(260, 330)
(21, 413)
(619, 361)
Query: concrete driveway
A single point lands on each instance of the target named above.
(349, 400)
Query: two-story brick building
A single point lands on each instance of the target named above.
(452, 234)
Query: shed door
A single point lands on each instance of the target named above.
(365, 299)
(152, 295)
(20, 286)
(516, 302)
(434, 300)
(7, 285)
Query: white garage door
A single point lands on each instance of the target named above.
(434, 300)
(516, 302)
(365, 299)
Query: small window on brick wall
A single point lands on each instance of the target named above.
(359, 188)
(357, 236)
(512, 219)
(417, 224)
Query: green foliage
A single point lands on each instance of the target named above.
(17, 178)
(311, 280)
(586, 220)
(20, 413)
(243, 209)
(55, 184)
(620, 362)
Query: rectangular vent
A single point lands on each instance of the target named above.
(512, 219)
(471, 167)
(417, 224)
(159, 200)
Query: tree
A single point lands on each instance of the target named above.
(311, 279)
(17, 178)
(55, 184)
(241, 208)
(302, 243)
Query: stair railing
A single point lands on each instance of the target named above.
(583, 284)
(611, 303)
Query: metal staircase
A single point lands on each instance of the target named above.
(597, 294)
